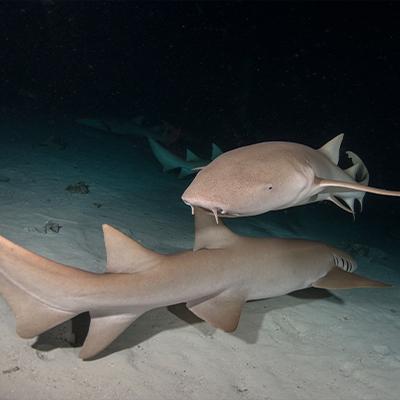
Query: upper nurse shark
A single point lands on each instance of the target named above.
(268, 176)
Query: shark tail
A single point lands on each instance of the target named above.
(33, 314)
(31, 284)
(168, 160)
(188, 166)
(33, 317)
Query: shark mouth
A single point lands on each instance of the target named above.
(217, 212)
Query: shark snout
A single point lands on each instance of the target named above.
(207, 205)
(218, 209)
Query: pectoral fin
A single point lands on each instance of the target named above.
(221, 311)
(102, 331)
(336, 278)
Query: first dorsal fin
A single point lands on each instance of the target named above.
(209, 234)
(332, 148)
(125, 254)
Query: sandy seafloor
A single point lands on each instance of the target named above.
(311, 345)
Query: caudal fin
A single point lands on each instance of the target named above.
(168, 160)
(32, 316)
(20, 269)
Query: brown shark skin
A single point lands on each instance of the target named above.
(214, 281)
(268, 176)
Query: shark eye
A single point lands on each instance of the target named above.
(269, 187)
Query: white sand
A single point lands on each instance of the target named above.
(307, 346)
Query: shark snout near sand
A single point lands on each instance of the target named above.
(215, 279)
(268, 176)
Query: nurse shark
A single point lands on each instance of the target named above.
(268, 176)
(132, 127)
(215, 280)
(170, 161)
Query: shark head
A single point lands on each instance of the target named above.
(250, 180)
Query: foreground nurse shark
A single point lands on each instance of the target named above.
(268, 176)
(214, 280)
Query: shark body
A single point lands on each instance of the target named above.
(133, 127)
(170, 161)
(268, 176)
(215, 280)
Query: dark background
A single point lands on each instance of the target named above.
(230, 72)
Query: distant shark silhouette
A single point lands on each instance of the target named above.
(170, 161)
(215, 280)
(133, 127)
(267, 176)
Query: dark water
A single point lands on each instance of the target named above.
(229, 72)
(232, 73)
